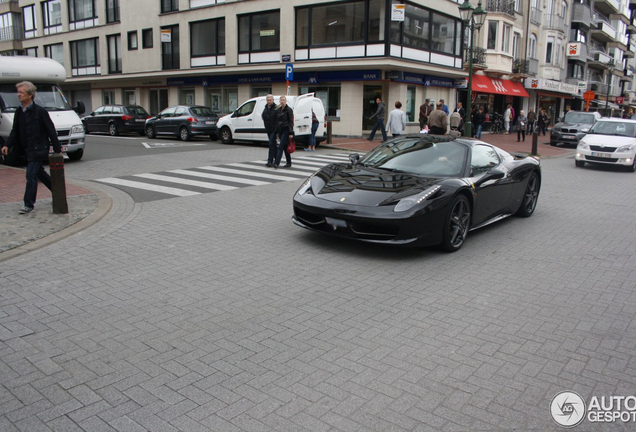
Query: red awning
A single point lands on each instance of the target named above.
(484, 84)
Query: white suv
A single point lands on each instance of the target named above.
(246, 123)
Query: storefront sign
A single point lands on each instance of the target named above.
(397, 12)
(620, 100)
(573, 49)
(546, 84)
(461, 83)
(405, 77)
(309, 77)
(438, 81)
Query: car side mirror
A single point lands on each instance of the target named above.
(80, 108)
(93, 113)
(354, 158)
(493, 174)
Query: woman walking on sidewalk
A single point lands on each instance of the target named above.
(522, 123)
(397, 120)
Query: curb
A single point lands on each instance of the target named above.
(102, 209)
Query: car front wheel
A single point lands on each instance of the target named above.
(150, 132)
(226, 135)
(76, 155)
(632, 167)
(579, 164)
(456, 224)
(530, 196)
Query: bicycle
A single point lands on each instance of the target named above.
(497, 126)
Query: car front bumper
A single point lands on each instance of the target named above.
(566, 138)
(613, 158)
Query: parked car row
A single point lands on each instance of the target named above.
(185, 122)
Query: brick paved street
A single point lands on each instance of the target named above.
(215, 313)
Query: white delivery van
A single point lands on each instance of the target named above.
(246, 123)
(45, 73)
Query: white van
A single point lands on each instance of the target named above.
(45, 73)
(246, 123)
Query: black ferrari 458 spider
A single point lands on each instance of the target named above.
(418, 190)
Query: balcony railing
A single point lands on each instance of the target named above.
(8, 1)
(11, 33)
(533, 66)
(479, 56)
(503, 6)
(520, 66)
(535, 16)
(554, 22)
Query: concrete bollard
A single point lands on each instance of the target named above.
(58, 184)
(329, 141)
(535, 139)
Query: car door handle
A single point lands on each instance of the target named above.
(249, 119)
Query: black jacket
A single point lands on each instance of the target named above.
(285, 118)
(269, 118)
(40, 133)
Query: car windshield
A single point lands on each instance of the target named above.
(613, 128)
(425, 156)
(202, 112)
(136, 110)
(576, 117)
(48, 96)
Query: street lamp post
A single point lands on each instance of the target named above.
(474, 18)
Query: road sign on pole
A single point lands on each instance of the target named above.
(289, 72)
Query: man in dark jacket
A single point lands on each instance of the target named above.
(379, 114)
(425, 111)
(269, 120)
(33, 131)
(438, 121)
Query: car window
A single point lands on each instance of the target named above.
(180, 111)
(136, 110)
(483, 159)
(576, 117)
(108, 110)
(168, 112)
(99, 110)
(117, 110)
(202, 112)
(245, 109)
(614, 128)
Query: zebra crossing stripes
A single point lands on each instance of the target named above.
(205, 179)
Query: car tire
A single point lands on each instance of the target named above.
(456, 224)
(112, 129)
(530, 196)
(632, 167)
(226, 135)
(579, 163)
(184, 133)
(214, 137)
(553, 144)
(150, 132)
(86, 131)
(76, 155)
(142, 133)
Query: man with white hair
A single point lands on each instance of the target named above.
(33, 133)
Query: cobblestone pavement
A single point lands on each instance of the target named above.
(215, 313)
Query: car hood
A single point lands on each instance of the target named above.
(365, 186)
(608, 140)
(573, 125)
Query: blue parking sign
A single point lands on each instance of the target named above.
(289, 72)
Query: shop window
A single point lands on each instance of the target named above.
(261, 91)
(170, 47)
(410, 103)
(129, 97)
(259, 32)
(222, 100)
(330, 97)
(186, 97)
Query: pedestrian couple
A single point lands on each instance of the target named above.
(33, 133)
(396, 123)
(279, 122)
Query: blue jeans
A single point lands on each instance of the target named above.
(312, 137)
(378, 124)
(478, 134)
(271, 154)
(283, 134)
(34, 172)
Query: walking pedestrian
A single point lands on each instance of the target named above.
(425, 111)
(478, 120)
(507, 118)
(397, 120)
(269, 120)
(513, 115)
(379, 123)
(532, 118)
(542, 122)
(522, 123)
(285, 130)
(445, 107)
(462, 113)
(312, 137)
(34, 133)
(438, 120)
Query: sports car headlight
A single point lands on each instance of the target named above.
(305, 186)
(626, 148)
(409, 202)
(583, 146)
(77, 129)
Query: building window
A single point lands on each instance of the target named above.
(186, 96)
(410, 103)
(28, 18)
(31, 52)
(85, 57)
(114, 53)
(52, 16)
(10, 27)
(112, 11)
(261, 91)
(222, 100)
(81, 10)
(259, 32)
(515, 45)
(575, 70)
(532, 46)
(492, 35)
(505, 43)
(56, 52)
(146, 38)
(207, 38)
(169, 5)
(548, 50)
(443, 34)
(129, 97)
(329, 95)
(132, 40)
(108, 98)
(170, 47)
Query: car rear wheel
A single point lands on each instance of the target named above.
(150, 132)
(184, 133)
(530, 196)
(456, 224)
(579, 164)
(76, 155)
(226, 135)
(112, 129)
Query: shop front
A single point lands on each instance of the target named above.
(493, 95)
(555, 97)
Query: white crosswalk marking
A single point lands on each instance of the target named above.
(149, 187)
(223, 177)
(188, 182)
